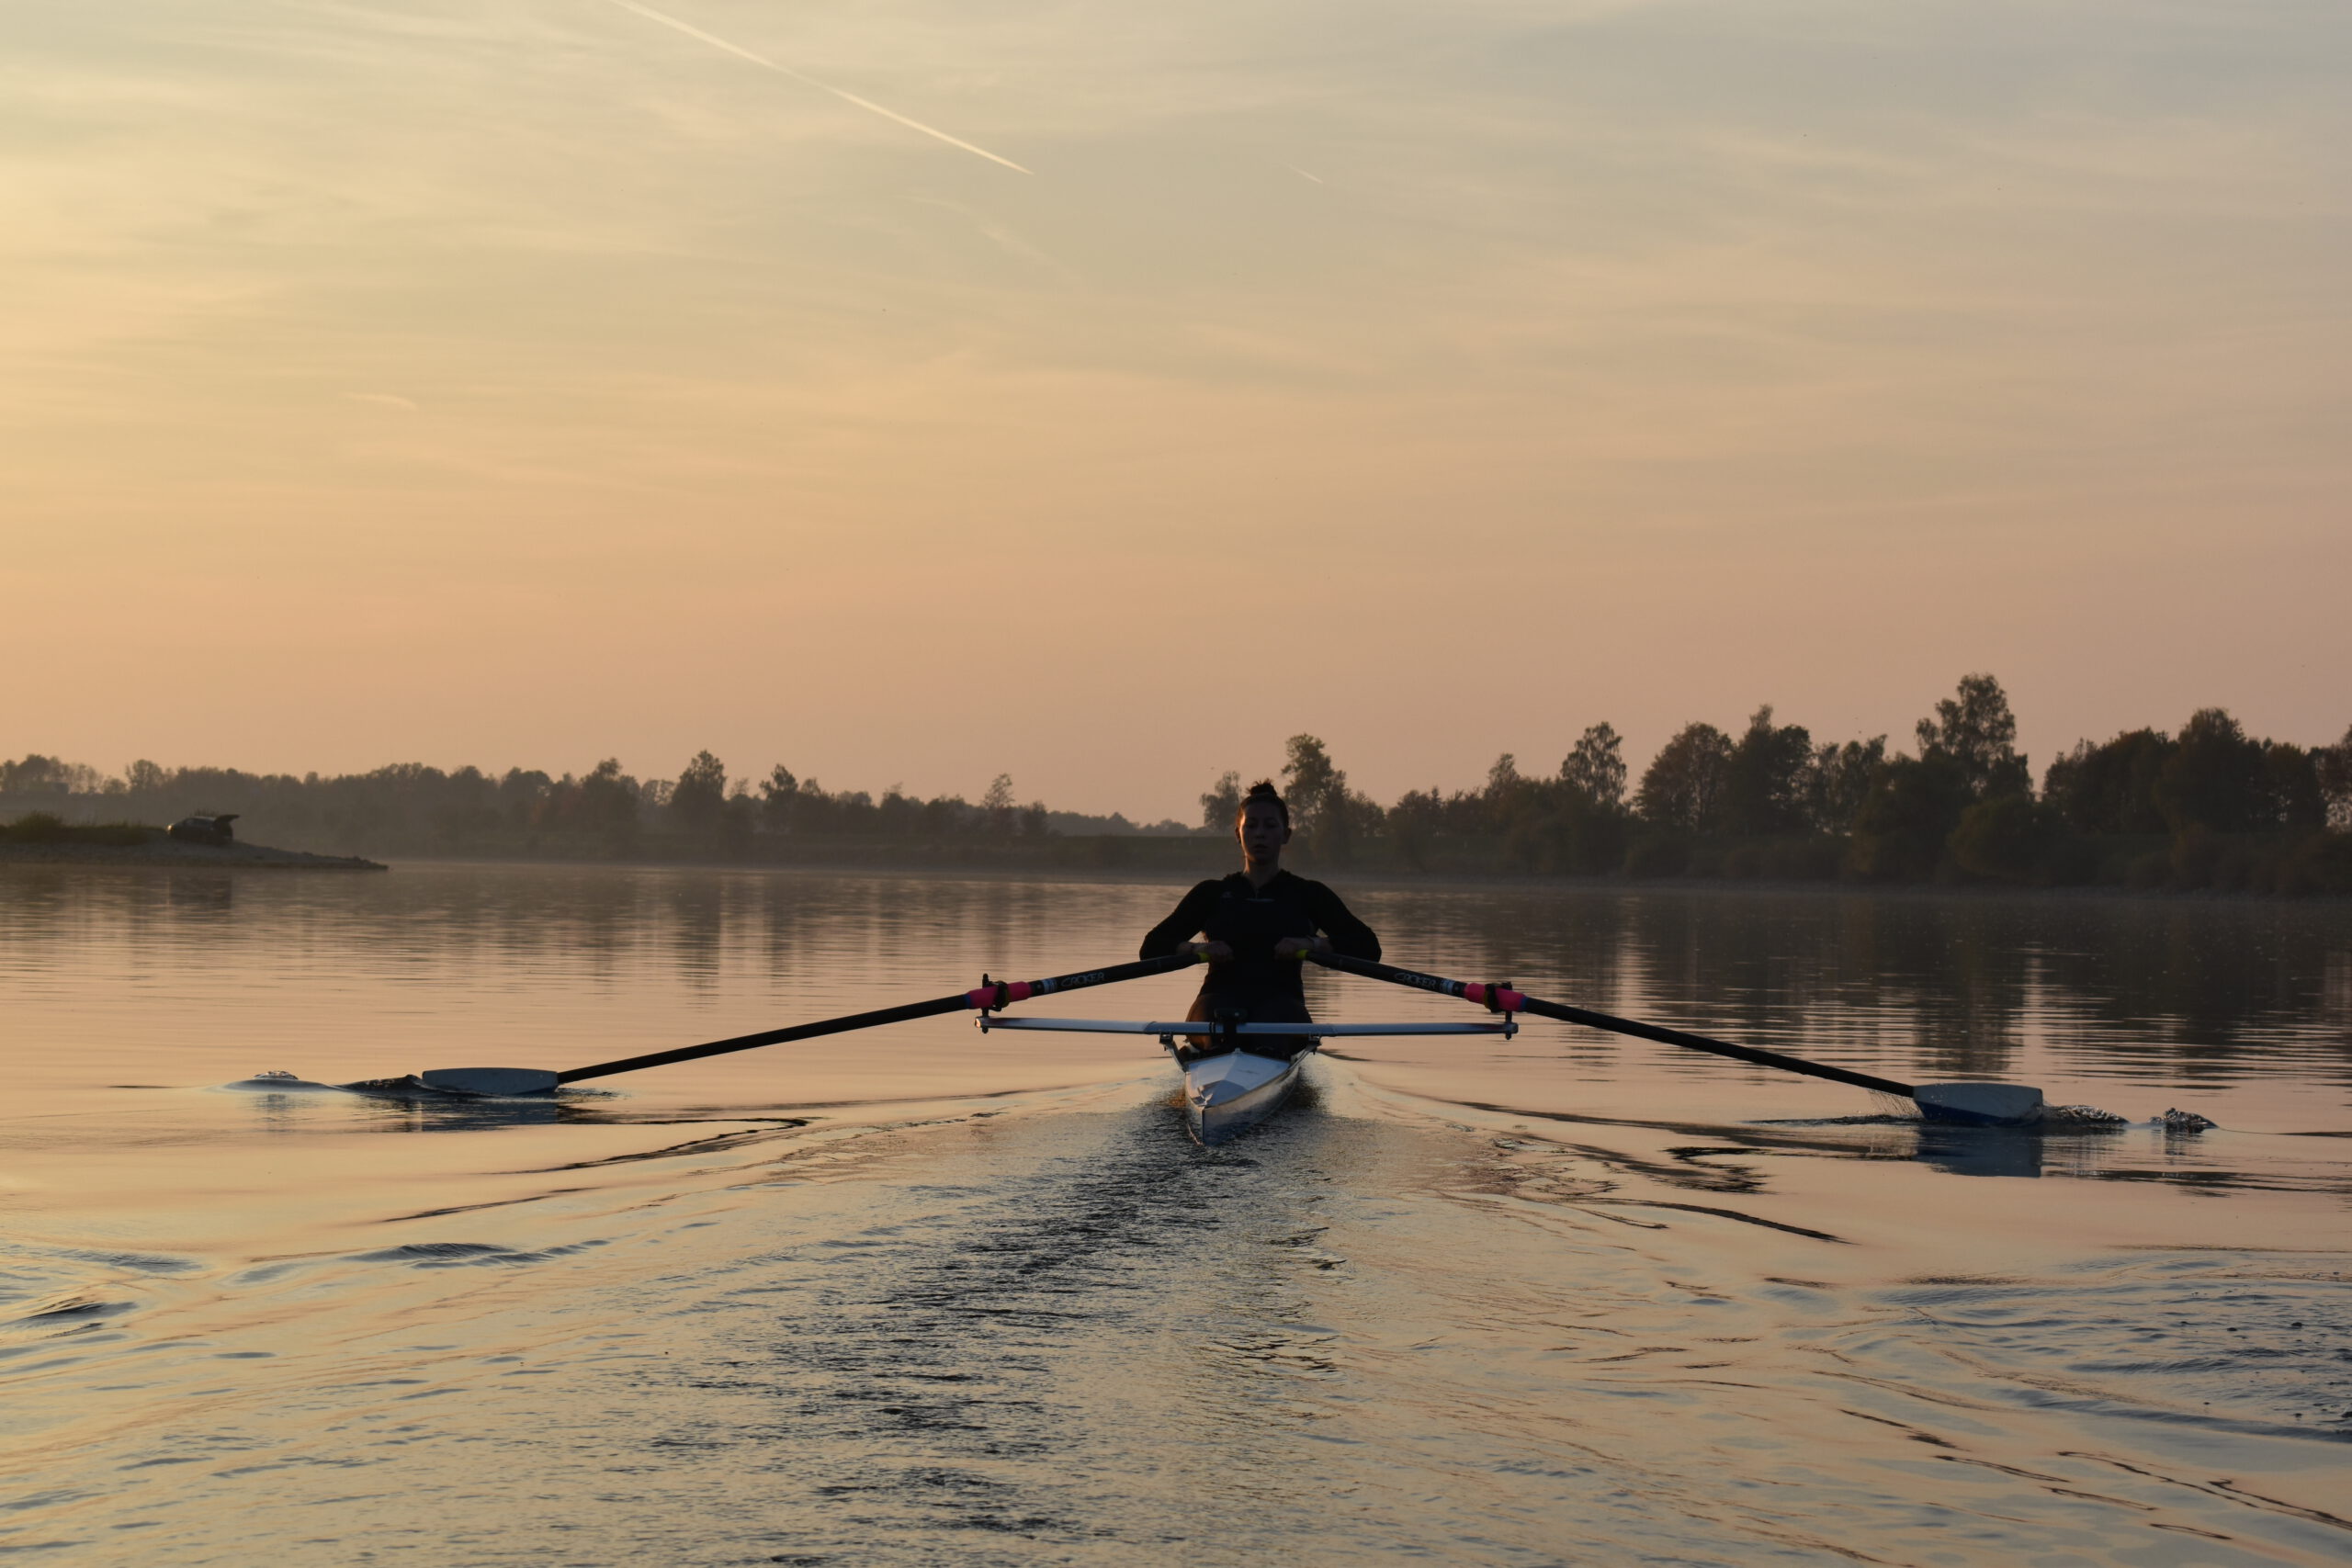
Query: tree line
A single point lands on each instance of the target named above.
(412, 806)
(2209, 806)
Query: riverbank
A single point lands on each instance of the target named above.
(2294, 866)
(124, 844)
(1355, 880)
(2137, 867)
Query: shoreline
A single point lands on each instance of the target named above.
(1384, 881)
(169, 854)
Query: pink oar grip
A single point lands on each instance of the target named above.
(1502, 998)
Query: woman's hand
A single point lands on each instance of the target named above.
(1299, 946)
(1211, 952)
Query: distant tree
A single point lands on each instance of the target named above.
(406, 778)
(1838, 780)
(1415, 818)
(1359, 818)
(1510, 803)
(1683, 786)
(2002, 837)
(1764, 777)
(1547, 826)
(2214, 778)
(1326, 814)
(1034, 823)
(779, 799)
(997, 805)
(609, 799)
(36, 774)
(1597, 767)
(1913, 804)
(1312, 781)
(1221, 803)
(2111, 788)
(144, 777)
(1977, 732)
(699, 796)
(740, 818)
(521, 794)
(2296, 797)
(945, 817)
(2334, 767)
(813, 813)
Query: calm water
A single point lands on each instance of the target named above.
(921, 1296)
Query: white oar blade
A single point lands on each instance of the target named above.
(1979, 1104)
(495, 1082)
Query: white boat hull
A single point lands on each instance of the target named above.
(1227, 1095)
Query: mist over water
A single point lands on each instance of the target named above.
(927, 1296)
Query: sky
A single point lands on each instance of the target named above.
(911, 393)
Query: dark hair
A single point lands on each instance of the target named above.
(1263, 790)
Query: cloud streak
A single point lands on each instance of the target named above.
(650, 14)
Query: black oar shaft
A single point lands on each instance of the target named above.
(1518, 1001)
(993, 995)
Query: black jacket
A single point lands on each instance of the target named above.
(1250, 921)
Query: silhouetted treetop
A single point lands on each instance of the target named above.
(1976, 731)
(1221, 803)
(1597, 767)
(1684, 785)
(1764, 777)
(700, 794)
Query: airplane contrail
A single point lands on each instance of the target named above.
(650, 14)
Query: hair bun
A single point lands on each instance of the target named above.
(1264, 793)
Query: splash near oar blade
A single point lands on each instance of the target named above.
(1975, 1104)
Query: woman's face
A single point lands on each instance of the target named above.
(1264, 833)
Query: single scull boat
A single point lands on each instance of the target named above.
(1230, 1088)
(1227, 1088)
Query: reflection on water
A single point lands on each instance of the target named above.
(2206, 990)
(927, 1296)
(2195, 992)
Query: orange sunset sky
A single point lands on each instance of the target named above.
(529, 382)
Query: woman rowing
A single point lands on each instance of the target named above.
(1259, 924)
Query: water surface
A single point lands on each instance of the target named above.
(925, 1296)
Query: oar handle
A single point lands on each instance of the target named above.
(1499, 998)
(990, 994)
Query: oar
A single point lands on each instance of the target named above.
(989, 994)
(1980, 1104)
